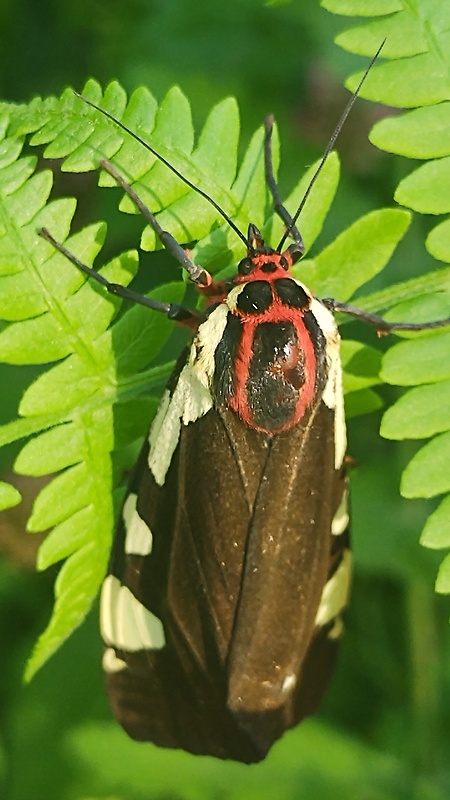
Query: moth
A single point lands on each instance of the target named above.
(230, 571)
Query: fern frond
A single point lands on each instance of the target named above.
(416, 74)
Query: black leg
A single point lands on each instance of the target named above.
(197, 274)
(291, 228)
(382, 325)
(173, 310)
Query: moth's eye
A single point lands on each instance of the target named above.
(246, 266)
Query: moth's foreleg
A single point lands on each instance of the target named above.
(173, 310)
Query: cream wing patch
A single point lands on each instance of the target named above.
(111, 662)
(333, 395)
(335, 593)
(191, 398)
(138, 536)
(125, 623)
(341, 518)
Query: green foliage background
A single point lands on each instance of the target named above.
(383, 731)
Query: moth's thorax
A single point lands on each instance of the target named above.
(265, 349)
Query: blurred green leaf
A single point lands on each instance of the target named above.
(422, 133)
(443, 577)
(436, 533)
(402, 33)
(406, 83)
(423, 189)
(362, 401)
(420, 413)
(9, 496)
(361, 365)
(362, 8)
(438, 241)
(419, 360)
(428, 473)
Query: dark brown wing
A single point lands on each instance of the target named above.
(241, 552)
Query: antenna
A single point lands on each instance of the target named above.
(329, 148)
(167, 164)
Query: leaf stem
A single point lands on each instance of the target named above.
(432, 282)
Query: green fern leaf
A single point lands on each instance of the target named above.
(416, 74)
(9, 496)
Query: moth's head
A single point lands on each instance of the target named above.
(261, 258)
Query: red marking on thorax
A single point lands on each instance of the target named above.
(302, 351)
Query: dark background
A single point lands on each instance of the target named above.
(383, 731)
